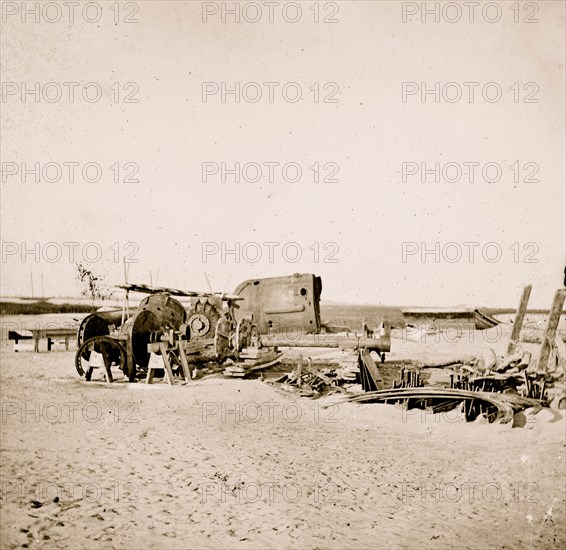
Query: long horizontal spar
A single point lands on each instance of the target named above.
(327, 341)
(176, 292)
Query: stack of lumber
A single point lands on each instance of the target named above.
(253, 359)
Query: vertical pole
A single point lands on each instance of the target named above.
(124, 310)
(548, 340)
(127, 291)
(519, 317)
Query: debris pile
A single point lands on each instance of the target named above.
(307, 381)
(517, 373)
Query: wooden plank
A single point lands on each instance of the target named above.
(149, 377)
(254, 355)
(548, 340)
(274, 361)
(519, 317)
(187, 367)
(166, 363)
(197, 346)
(243, 369)
(371, 379)
(107, 369)
(51, 334)
(54, 332)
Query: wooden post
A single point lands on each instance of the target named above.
(187, 368)
(519, 317)
(548, 340)
(372, 378)
(131, 364)
(106, 358)
(166, 363)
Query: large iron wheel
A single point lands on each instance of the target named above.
(202, 319)
(112, 351)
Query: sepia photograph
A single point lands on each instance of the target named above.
(283, 275)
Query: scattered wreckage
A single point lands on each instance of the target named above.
(216, 327)
(487, 387)
(243, 332)
(161, 326)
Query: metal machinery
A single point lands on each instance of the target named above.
(204, 315)
(161, 324)
(286, 311)
(277, 304)
(215, 327)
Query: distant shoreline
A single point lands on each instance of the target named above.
(43, 307)
(38, 306)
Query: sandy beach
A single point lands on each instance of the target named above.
(219, 463)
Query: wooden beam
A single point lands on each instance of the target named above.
(166, 363)
(548, 340)
(187, 367)
(371, 369)
(519, 317)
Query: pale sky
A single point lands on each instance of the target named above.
(361, 221)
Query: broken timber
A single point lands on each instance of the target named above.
(519, 317)
(369, 373)
(548, 340)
